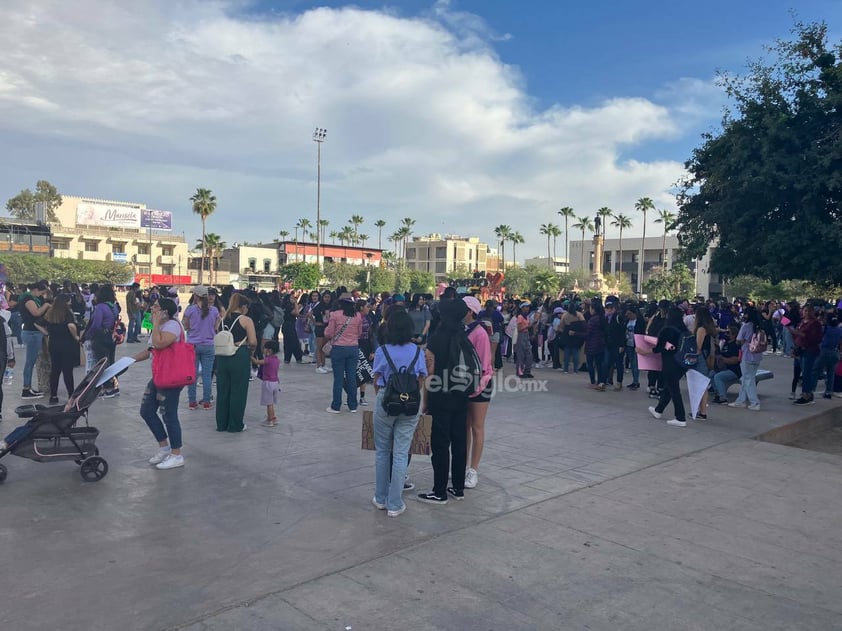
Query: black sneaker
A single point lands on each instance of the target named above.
(407, 486)
(431, 498)
(457, 495)
(803, 401)
(53, 400)
(527, 375)
(31, 394)
(110, 394)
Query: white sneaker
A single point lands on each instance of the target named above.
(471, 478)
(395, 513)
(171, 462)
(755, 407)
(322, 370)
(676, 423)
(332, 411)
(354, 411)
(654, 412)
(377, 504)
(837, 395)
(163, 454)
(734, 404)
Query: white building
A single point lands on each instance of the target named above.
(656, 254)
(556, 263)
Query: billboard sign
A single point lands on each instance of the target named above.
(107, 215)
(156, 219)
(119, 257)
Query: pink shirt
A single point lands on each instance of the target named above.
(482, 344)
(351, 335)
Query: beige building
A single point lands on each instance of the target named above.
(655, 256)
(441, 255)
(125, 232)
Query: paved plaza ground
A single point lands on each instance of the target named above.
(589, 515)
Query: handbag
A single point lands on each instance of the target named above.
(175, 365)
(327, 347)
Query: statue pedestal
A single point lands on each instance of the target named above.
(597, 280)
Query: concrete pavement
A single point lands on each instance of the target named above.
(589, 514)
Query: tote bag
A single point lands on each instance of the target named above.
(175, 365)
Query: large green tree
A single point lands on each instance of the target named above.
(23, 204)
(768, 186)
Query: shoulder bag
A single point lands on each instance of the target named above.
(327, 347)
(175, 365)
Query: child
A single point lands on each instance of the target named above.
(270, 392)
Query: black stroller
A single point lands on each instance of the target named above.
(51, 434)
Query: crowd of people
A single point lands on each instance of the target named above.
(419, 354)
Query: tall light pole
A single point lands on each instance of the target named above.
(319, 137)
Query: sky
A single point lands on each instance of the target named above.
(462, 114)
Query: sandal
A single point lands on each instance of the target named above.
(270, 422)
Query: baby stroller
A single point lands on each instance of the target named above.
(51, 433)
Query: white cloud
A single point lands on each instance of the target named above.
(149, 100)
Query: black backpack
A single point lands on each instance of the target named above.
(402, 396)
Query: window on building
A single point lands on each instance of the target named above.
(267, 266)
(166, 270)
(167, 250)
(143, 249)
(143, 269)
(441, 253)
(441, 268)
(61, 245)
(91, 246)
(454, 251)
(470, 254)
(253, 265)
(635, 257)
(118, 248)
(410, 253)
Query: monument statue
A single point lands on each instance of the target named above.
(597, 222)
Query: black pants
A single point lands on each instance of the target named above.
(449, 436)
(654, 380)
(292, 347)
(671, 392)
(614, 358)
(554, 352)
(4, 361)
(62, 362)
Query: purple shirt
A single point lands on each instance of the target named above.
(200, 330)
(401, 356)
(270, 368)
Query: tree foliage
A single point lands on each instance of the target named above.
(768, 186)
(337, 273)
(762, 289)
(22, 205)
(672, 283)
(382, 279)
(28, 268)
(301, 275)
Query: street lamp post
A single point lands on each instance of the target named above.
(319, 137)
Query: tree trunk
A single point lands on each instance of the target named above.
(619, 265)
(642, 256)
(204, 250)
(664, 250)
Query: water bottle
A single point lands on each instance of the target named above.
(8, 376)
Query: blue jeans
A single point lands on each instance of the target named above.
(722, 380)
(571, 352)
(167, 399)
(808, 373)
(32, 341)
(613, 358)
(204, 358)
(134, 326)
(827, 360)
(596, 366)
(748, 385)
(16, 324)
(632, 355)
(786, 341)
(344, 361)
(392, 437)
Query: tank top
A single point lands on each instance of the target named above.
(237, 330)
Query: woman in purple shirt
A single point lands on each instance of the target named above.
(201, 322)
(100, 332)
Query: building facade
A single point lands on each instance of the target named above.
(294, 252)
(556, 263)
(25, 237)
(656, 254)
(443, 255)
(124, 232)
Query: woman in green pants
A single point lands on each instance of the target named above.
(232, 373)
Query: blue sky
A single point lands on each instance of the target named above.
(463, 114)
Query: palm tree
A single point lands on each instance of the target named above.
(283, 234)
(503, 233)
(516, 238)
(323, 224)
(547, 229)
(403, 236)
(644, 204)
(584, 223)
(567, 213)
(204, 203)
(304, 224)
(406, 229)
(363, 238)
(333, 234)
(556, 235)
(357, 221)
(214, 245)
(668, 219)
(623, 223)
(379, 225)
(394, 238)
(605, 214)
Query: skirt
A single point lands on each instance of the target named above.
(270, 393)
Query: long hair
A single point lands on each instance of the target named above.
(675, 318)
(237, 302)
(705, 321)
(202, 301)
(752, 315)
(349, 309)
(106, 294)
(399, 328)
(60, 312)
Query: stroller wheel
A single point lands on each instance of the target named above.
(93, 469)
(3, 473)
